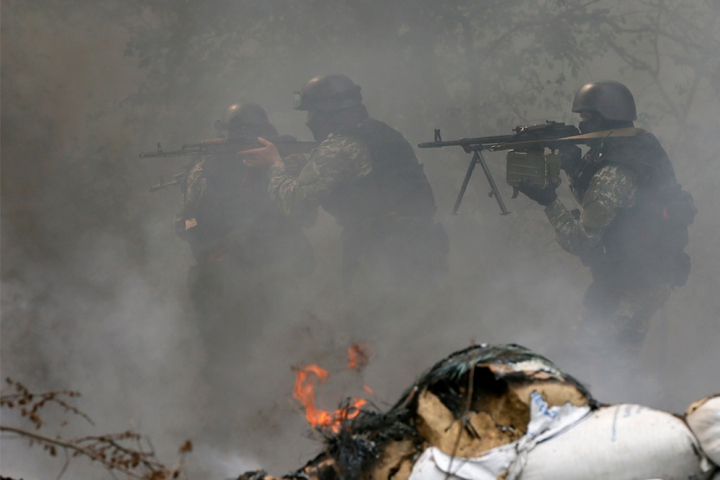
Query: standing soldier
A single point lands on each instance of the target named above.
(631, 228)
(366, 175)
(247, 252)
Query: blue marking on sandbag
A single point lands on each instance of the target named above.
(614, 425)
(542, 405)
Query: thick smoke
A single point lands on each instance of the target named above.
(93, 278)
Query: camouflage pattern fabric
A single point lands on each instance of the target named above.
(191, 191)
(395, 248)
(615, 312)
(621, 315)
(339, 160)
(240, 239)
(613, 187)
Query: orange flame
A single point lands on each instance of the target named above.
(358, 356)
(304, 392)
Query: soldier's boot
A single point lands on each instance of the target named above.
(630, 332)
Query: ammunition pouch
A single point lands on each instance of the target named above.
(533, 168)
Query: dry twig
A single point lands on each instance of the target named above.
(127, 452)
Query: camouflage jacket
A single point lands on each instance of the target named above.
(338, 161)
(191, 191)
(612, 188)
(226, 207)
(633, 225)
(359, 174)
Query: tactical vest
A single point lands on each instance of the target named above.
(238, 223)
(396, 186)
(644, 245)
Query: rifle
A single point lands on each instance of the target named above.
(177, 180)
(286, 145)
(526, 161)
(532, 138)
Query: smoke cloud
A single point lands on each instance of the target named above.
(93, 277)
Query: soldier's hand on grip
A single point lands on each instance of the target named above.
(294, 163)
(262, 157)
(570, 156)
(543, 196)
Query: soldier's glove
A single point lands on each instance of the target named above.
(294, 163)
(543, 196)
(570, 156)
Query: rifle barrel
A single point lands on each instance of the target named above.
(470, 142)
(223, 146)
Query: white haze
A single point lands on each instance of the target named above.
(113, 322)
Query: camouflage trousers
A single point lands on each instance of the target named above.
(620, 316)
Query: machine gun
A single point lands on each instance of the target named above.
(527, 162)
(286, 145)
(527, 141)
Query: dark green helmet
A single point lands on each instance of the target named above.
(612, 100)
(243, 115)
(328, 93)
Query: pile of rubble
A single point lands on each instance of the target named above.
(503, 412)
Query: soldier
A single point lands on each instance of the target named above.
(244, 246)
(366, 175)
(632, 225)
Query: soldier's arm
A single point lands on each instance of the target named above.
(191, 191)
(611, 188)
(336, 161)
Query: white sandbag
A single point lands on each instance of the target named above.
(703, 418)
(506, 460)
(620, 442)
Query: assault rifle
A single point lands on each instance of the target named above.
(532, 138)
(286, 145)
(177, 180)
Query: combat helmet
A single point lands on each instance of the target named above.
(328, 93)
(249, 117)
(612, 100)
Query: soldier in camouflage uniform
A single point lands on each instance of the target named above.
(244, 246)
(366, 175)
(632, 225)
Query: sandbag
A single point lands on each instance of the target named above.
(620, 442)
(703, 418)
(503, 461)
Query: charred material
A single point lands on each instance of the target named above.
(476, 399)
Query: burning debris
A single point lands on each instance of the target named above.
(358, 356)
(480, 413)
(304, 392)
(306, 379)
